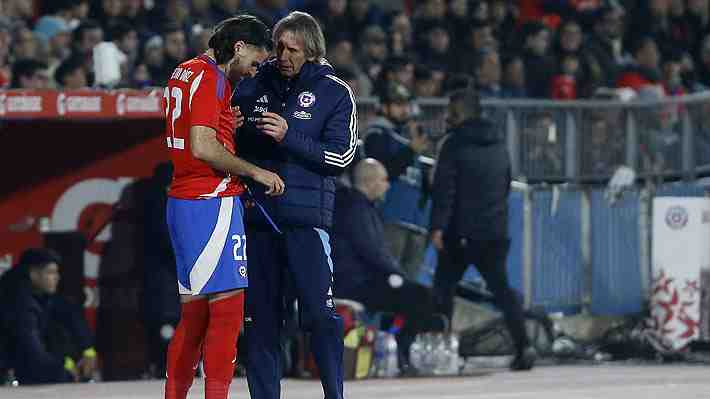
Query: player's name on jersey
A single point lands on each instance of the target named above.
(49, 104)
(182, 74)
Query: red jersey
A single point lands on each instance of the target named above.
(199, 94)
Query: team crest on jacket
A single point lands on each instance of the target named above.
(306, 99)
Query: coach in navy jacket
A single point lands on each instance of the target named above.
(320, 142)
(301, 123)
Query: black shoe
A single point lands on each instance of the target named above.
(524, 360)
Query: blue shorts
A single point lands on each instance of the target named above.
(209, 244)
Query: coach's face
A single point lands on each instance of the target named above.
(291, 54)
(246, 59)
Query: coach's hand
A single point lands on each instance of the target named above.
(272, 181)
(238, 117)
(273, 125)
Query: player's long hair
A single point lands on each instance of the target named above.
(246, 28)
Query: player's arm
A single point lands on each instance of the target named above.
(205, 147)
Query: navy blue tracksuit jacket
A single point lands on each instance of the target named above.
(294, 248)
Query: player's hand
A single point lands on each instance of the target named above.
(238, 117)
(273, 125)
(419, 141)
(437, 238)
(274, 185)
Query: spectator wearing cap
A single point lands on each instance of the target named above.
(373, 51)
(399, 70)
(644, 70)
(30, 74)
(49, 338)
(55, 33)
(538, 64)
(605, 46)
(71, 74)
(397, 140)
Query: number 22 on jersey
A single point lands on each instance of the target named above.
(173, 101)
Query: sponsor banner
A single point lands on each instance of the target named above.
(48, 104)
(681, 233)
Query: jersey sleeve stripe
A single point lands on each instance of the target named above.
(344, 159)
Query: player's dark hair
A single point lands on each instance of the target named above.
(39, 258)
(246, 28)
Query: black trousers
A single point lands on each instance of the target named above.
(489, 257)
(412, 300)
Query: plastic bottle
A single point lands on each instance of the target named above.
(391, 368)
(416, 353)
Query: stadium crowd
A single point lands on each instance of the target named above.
(561, 49)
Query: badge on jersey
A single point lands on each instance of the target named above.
(306, 99)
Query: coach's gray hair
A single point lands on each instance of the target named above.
(304, 25)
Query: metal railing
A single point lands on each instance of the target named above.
(585, 141)
(573, 249)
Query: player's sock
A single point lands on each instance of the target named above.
(184, 348)
(221, 344)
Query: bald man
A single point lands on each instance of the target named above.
(367, 272)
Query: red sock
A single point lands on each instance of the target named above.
(221, 344)
(184, 348)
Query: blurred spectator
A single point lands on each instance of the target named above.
(671, 70)
(363, 14)
(125, 38)
(71, 74)
(606, 46)
(653, 18)
(399, 70)
(18, 10)
(141, 78)
(435, 50)
(332, 15)
(644, 70)
(425, 85)
(202, 13)
(543, 153)
(224, 9)
(175, 52)
(55, 34)
(602, 153)
(269, 11)
(340, 55)
(538, 63)
(85, 37)
(5, 67)
(154, 58)
(478, 39)
(401, 35)
(698, 19)
(458, 18)
(396, 140)
(351, 78)
(564, 84)
(109, 13)
(50, 340)
(487, 71)
(503, 21)
(25, 45)
(367, 272)
(199, 42)
(569, 45)
(373, 51)
(703, 64)
(30, 74)
(514, 77)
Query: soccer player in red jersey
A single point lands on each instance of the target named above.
(204, 212)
